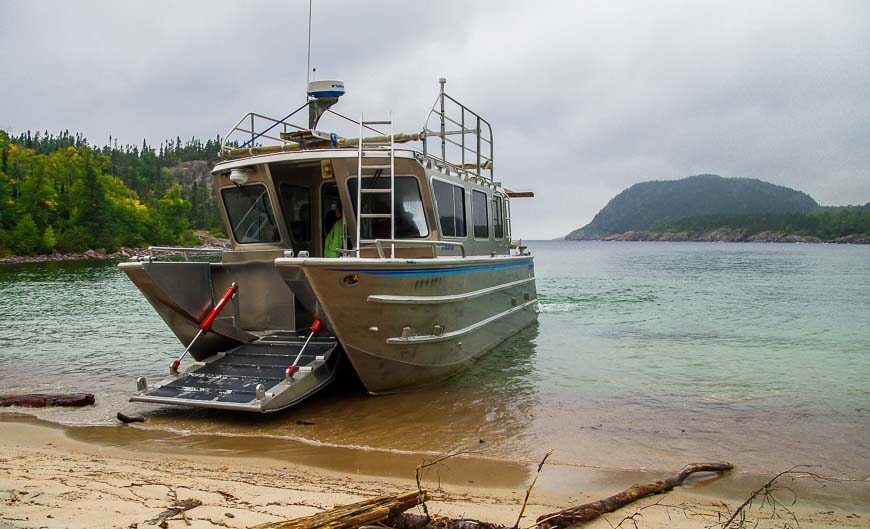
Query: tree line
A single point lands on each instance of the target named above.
(825, 223)
(58, 193)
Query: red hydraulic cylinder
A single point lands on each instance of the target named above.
(206, 324)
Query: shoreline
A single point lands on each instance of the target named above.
(117, 477)
(100, 254)
(89, 255)
(629, 236)
(721, 235)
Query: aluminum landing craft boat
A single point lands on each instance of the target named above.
(416, 283)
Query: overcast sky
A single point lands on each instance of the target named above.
(585, 98)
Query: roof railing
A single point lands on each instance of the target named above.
(475, 135)
(466, 144)
(252, 134)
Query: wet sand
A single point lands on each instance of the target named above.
(52, 476)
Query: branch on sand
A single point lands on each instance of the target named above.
(426, 464)
(767, 497)
(590, 511)
(179, 507)
(389, 510)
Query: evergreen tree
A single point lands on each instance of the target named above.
(25, 237)
(104, 197)
(89, 203)
(49, 241)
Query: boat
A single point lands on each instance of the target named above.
(407, 289)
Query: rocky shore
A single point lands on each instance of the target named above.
(722, 235)
(123, 253)
(100, 253)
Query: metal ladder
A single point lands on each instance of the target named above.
(378, 169)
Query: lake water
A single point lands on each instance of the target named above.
(646, 355)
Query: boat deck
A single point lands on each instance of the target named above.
(230, 380)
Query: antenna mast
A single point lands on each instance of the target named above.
(308, 64)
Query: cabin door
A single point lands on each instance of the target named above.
(330, 204)
(296, 204)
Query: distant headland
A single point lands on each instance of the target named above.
(711, 208)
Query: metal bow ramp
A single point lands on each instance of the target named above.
(250, 377)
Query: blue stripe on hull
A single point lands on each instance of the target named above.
(431, 272)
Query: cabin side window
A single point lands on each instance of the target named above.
(497, 217)
(450, 204)
(250, 214)
(480, 214)
(507, 217)
(408, 205)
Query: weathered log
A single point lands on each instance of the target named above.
(389, 509)
(37, 400)
(567, 517)
(354, 515)
(590, 511)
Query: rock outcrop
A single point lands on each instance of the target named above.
(727, 235)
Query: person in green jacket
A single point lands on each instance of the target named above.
(334, 225)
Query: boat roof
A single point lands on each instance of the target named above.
(259, 157)
(453, 138)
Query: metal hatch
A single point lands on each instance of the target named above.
(250, 377)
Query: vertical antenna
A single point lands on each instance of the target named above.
(308, 64)
(443, 81)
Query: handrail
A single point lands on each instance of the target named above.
(255, 135)
(474, 142)
(185, 250)
(481, 135)
(379, 244)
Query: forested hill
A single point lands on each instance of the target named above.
(58, 193)
(710, 207)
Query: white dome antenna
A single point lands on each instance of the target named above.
(321, 96)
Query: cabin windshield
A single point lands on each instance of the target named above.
(250, 214)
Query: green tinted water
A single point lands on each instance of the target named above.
(646, 355)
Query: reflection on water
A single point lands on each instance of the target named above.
(645, 355)
(493, 402)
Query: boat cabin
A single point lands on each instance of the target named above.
(288, 195)
(292, 201)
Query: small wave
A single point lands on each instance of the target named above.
(293, 438)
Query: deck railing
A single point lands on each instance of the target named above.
(474, 135)
(184, 251)
(466, 143)
(379, 244)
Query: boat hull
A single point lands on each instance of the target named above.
(182, 293)
(405, 323)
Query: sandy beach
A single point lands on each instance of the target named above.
(49, 479)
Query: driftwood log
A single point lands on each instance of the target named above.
(572, 515)
(590, 511)
(38, 400)
(366, 512)
(390, 509)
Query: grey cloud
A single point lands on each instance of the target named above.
(585, 98)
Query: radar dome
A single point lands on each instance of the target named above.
(318, 89)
